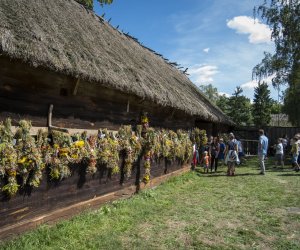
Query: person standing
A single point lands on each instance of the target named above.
(262, 150)
(195, 156)
(240, 149)
(279, 153)
(205, 161)
(221, 155)
(231, 152)
(215, 149)
(285, 141)
(295, 153)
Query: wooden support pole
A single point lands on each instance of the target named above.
(76, 87)
(50, 127)
(128, 106)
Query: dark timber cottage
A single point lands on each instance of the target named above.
(57, 52)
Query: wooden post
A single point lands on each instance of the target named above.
(76, 87)
(49, 122)
(50, 127)
(127, 106)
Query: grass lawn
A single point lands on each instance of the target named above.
(193, 211)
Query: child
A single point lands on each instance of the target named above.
(205, 161)
(221, 155)
(279, 153)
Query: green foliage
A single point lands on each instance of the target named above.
(5, 131)
(223, 103)
(283, 18)
(276, 107)
(262, 105)
(240, 108)
(292, 103)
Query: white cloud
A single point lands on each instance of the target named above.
(258, 32)
(224, 93)
(202, 73)
(249, 85)
(254, 83)
(206, 50)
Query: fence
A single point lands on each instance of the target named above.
(249, 146)
(249, 136)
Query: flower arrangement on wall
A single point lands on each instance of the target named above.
(24, 158)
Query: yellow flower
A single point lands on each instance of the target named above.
(146, 178)
(63, 151)
(12, 172)
(74, 156)
(79, 144)
(22, 160)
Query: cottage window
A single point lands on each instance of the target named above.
(63, 92)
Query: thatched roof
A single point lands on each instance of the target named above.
(65, 37)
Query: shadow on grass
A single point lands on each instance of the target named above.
(279, 170)
(290, 174)
(201, 174)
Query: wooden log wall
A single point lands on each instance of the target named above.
(27, 92)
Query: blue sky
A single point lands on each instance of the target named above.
(218, 40)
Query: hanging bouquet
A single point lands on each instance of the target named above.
(60, 156)
(30, 162)
(8, 159)
(108, 153)
(90, 154)
(147, 167)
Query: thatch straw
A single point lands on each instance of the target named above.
(65, 37)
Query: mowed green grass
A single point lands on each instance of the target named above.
(193, 211)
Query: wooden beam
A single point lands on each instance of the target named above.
(50, 127)
(76, 87)
(128, 106)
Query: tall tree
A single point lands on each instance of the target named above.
(292, 99)
(240, 108)
(90, 3)
(223, 103)
(283, 17)
(210, 91)
(262, 104)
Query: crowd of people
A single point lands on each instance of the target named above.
(230, 152)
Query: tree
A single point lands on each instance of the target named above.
(210, 92)
(262, 105)
(240, 108)
(223, 103)
(90, 3)
(276, 107)
(283, 17)
(292, 99)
